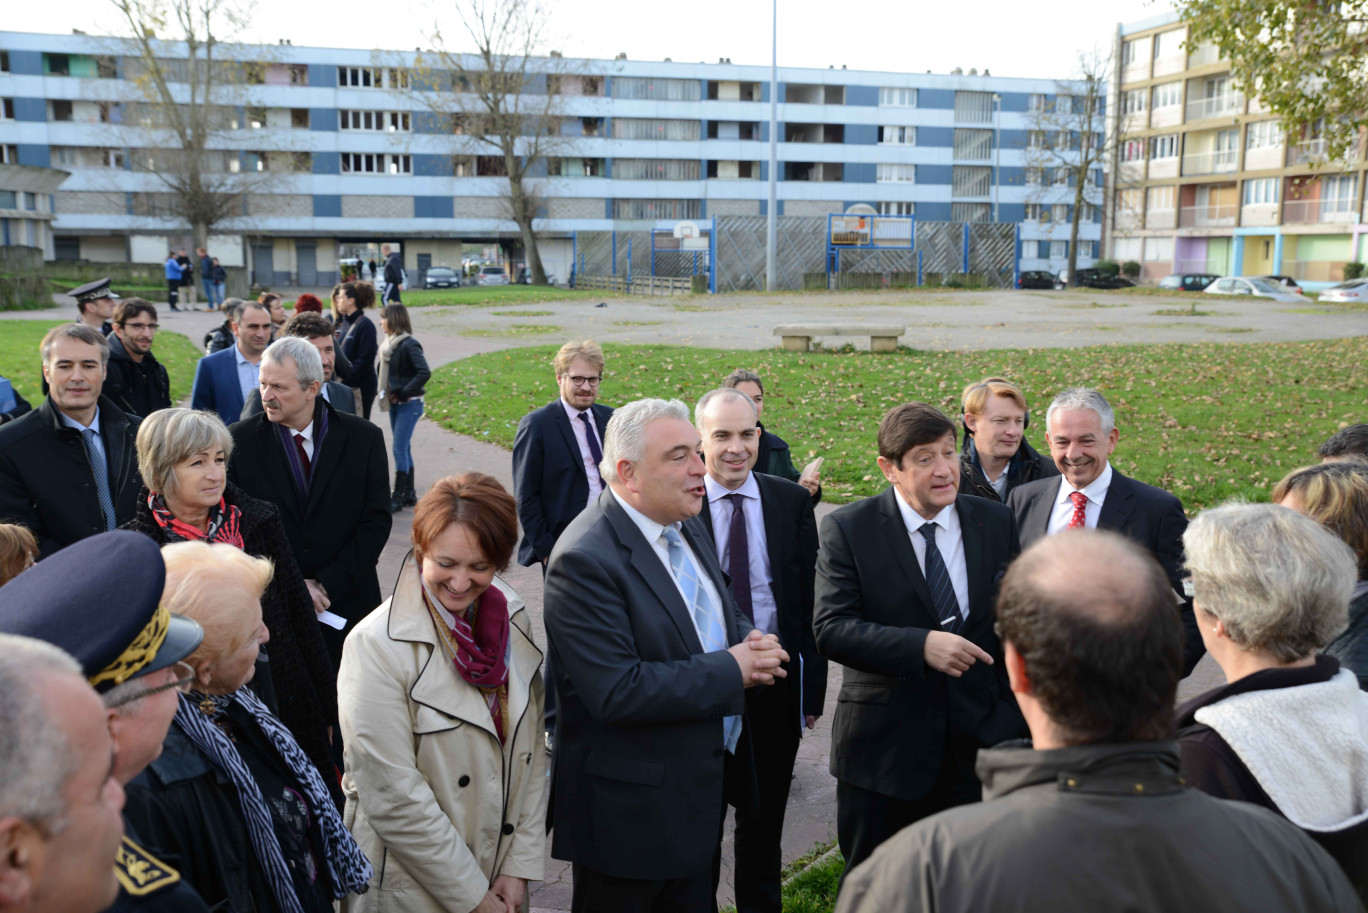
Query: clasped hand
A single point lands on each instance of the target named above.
(760, 658)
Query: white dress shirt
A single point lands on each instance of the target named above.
(93, 426)
(591, 470)
(653, 532)
(308, 433)
(1096, 492)
(249, 375)
(950, 543)
(763, 606)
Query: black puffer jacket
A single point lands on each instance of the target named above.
(1027, 466)
(137, 387)
(1351, 647)
(408, 370)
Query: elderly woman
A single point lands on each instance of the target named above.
(441, 707)
(403, 377)
(233, 792)
(1335, 495)
(183, 455)
(1290, 729)
(356, 339)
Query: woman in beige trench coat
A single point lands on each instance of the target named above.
(440, 696)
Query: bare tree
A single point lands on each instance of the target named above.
(1069, 140)
(504, 96)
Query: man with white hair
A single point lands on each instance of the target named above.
(652, 661)
(59, 800)
(1081, 431)
(329, 475)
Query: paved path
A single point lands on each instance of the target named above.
(963, 320)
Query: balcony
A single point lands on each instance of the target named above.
(1312, 212)
(1307, 152)
(1159, 218)
(1207, 216)
(1216, 106)
(1203, 55)
(1220, 162)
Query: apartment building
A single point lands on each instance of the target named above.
(1206, 180)
(357, 158)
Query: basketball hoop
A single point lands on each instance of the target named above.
(686, 230)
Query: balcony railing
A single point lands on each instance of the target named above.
(1207, 216)
(1306, 152)
(1204, 54)
(1308, 212)
(1215, 106)
(1210, 162)
(1159, 218)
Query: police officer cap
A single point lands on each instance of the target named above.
(92, 290)
(100, 600)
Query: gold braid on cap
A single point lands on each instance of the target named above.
(137, 654)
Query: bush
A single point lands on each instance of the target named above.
(1353, 271)
(1130, 269)
(1108, 266)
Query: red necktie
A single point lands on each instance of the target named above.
(1079, 519)
(304, 457)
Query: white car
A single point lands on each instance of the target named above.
(1256, 288)
(1355, 290)
(491, 275)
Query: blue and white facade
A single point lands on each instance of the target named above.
(356, 159)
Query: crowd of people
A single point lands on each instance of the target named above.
(249, 724)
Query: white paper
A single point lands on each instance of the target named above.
(331, 620)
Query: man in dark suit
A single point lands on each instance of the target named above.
(652, 660)
(1080, 428)
(318, 331)
(556, 455)
(225, 379)
(905, 587)
(327, 472)
(69, 469)
(765, 535)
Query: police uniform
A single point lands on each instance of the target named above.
(93, 291)
(53, 601)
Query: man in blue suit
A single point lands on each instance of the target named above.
(556, 455)
(225, 379)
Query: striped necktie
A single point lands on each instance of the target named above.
(101, 470)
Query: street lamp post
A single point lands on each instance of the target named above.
(772, 224)
(997, 149)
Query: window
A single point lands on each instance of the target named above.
(1160, 199)
(1035, 174)
(1090, 214)
(8, 199)
(376, 163)
(1168, 44)
(1133, 102)
(1038, 102)
(1133, 150)
(299, 118)
(1264, 134)
(970, 212)
(1037, 213)
(1168, 95)
(657, 89)
(1126, 248)
(973, 107)
(369, 78)
(1337, 192)
(1042, 249)
(4, 62)
(256, 118)
(1036, 140)
(589, 85)
(6, 109)
(299, 75)
(9, 154)
(30, 201)
(1065, 104)
(897, 209)
(657, 209)
(1158, 249)
(641, 128)
(897, 98)
(61, 109)
(656, 169)
(1261, 192)
(1059, 249)
(377, 121)
(895, 174)
(1130, 201)
(899, 136)
(1128, 53)
(1164, 147)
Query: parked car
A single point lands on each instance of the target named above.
(525, 277)
(1286, 282)
(1091, 277)
(1355, 290)
(1188, 282)
(441, 277)
(1253, 287)
(491, 275)
(1035, 278)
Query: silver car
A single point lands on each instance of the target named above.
(1256, 288)
(1354, 291)
(491, 275)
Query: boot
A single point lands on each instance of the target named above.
(410, 494)
(397, 497)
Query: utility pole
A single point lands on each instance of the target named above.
(772, 223)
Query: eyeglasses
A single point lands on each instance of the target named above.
(185, 677)
(142, 326)
(578, 381)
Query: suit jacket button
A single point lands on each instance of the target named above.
(464, 781)
(507, 829)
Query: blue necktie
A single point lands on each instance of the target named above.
(706, 618)
(938, 578)
(594, 450)
(97, 465)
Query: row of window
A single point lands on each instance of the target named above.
(1261, 135)
(1256, 192)
(16, 232)
(11, 199)
(1057, 212)
(1215, 96)
(1057, 250)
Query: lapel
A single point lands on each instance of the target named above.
(648, 564)
(601, 415)
(115, 447)
(975, 561)
(561, 420)
(1036, 524)
(327, 453)
(893, 533)
(228, 380)
(701, 542)
(272, 457)
(774, 530)
(1118, 505)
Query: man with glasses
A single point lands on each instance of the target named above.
(136, 382)
(556, 455)
(132, 658)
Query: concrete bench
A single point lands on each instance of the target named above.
(798, 338)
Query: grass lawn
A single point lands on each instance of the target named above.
(19, 360)
(813, 888)
(1206, 421)
(495, 294)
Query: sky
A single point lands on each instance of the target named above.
(1008, 37)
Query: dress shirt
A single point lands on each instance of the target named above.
(652, 531)
(948, 540)
(249, 375)
(308, 433)
(1096, 492)
(1000, 483)
(93, 426)
(762, 595)
(591, 469)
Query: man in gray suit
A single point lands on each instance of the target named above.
(652, 662)
(319, 332)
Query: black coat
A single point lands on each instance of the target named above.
(773, 458)
(338, 533)
(873, 613)
(1351, 647)
(138, 388)
(219, 338)
(302, 675)
(548, 477)
(356, 340)
(46, 481)
(791, 541)
(1027, 466)
(154, 878)
(408, 370)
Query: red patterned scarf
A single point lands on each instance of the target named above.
(225, 522)
(478, 645)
